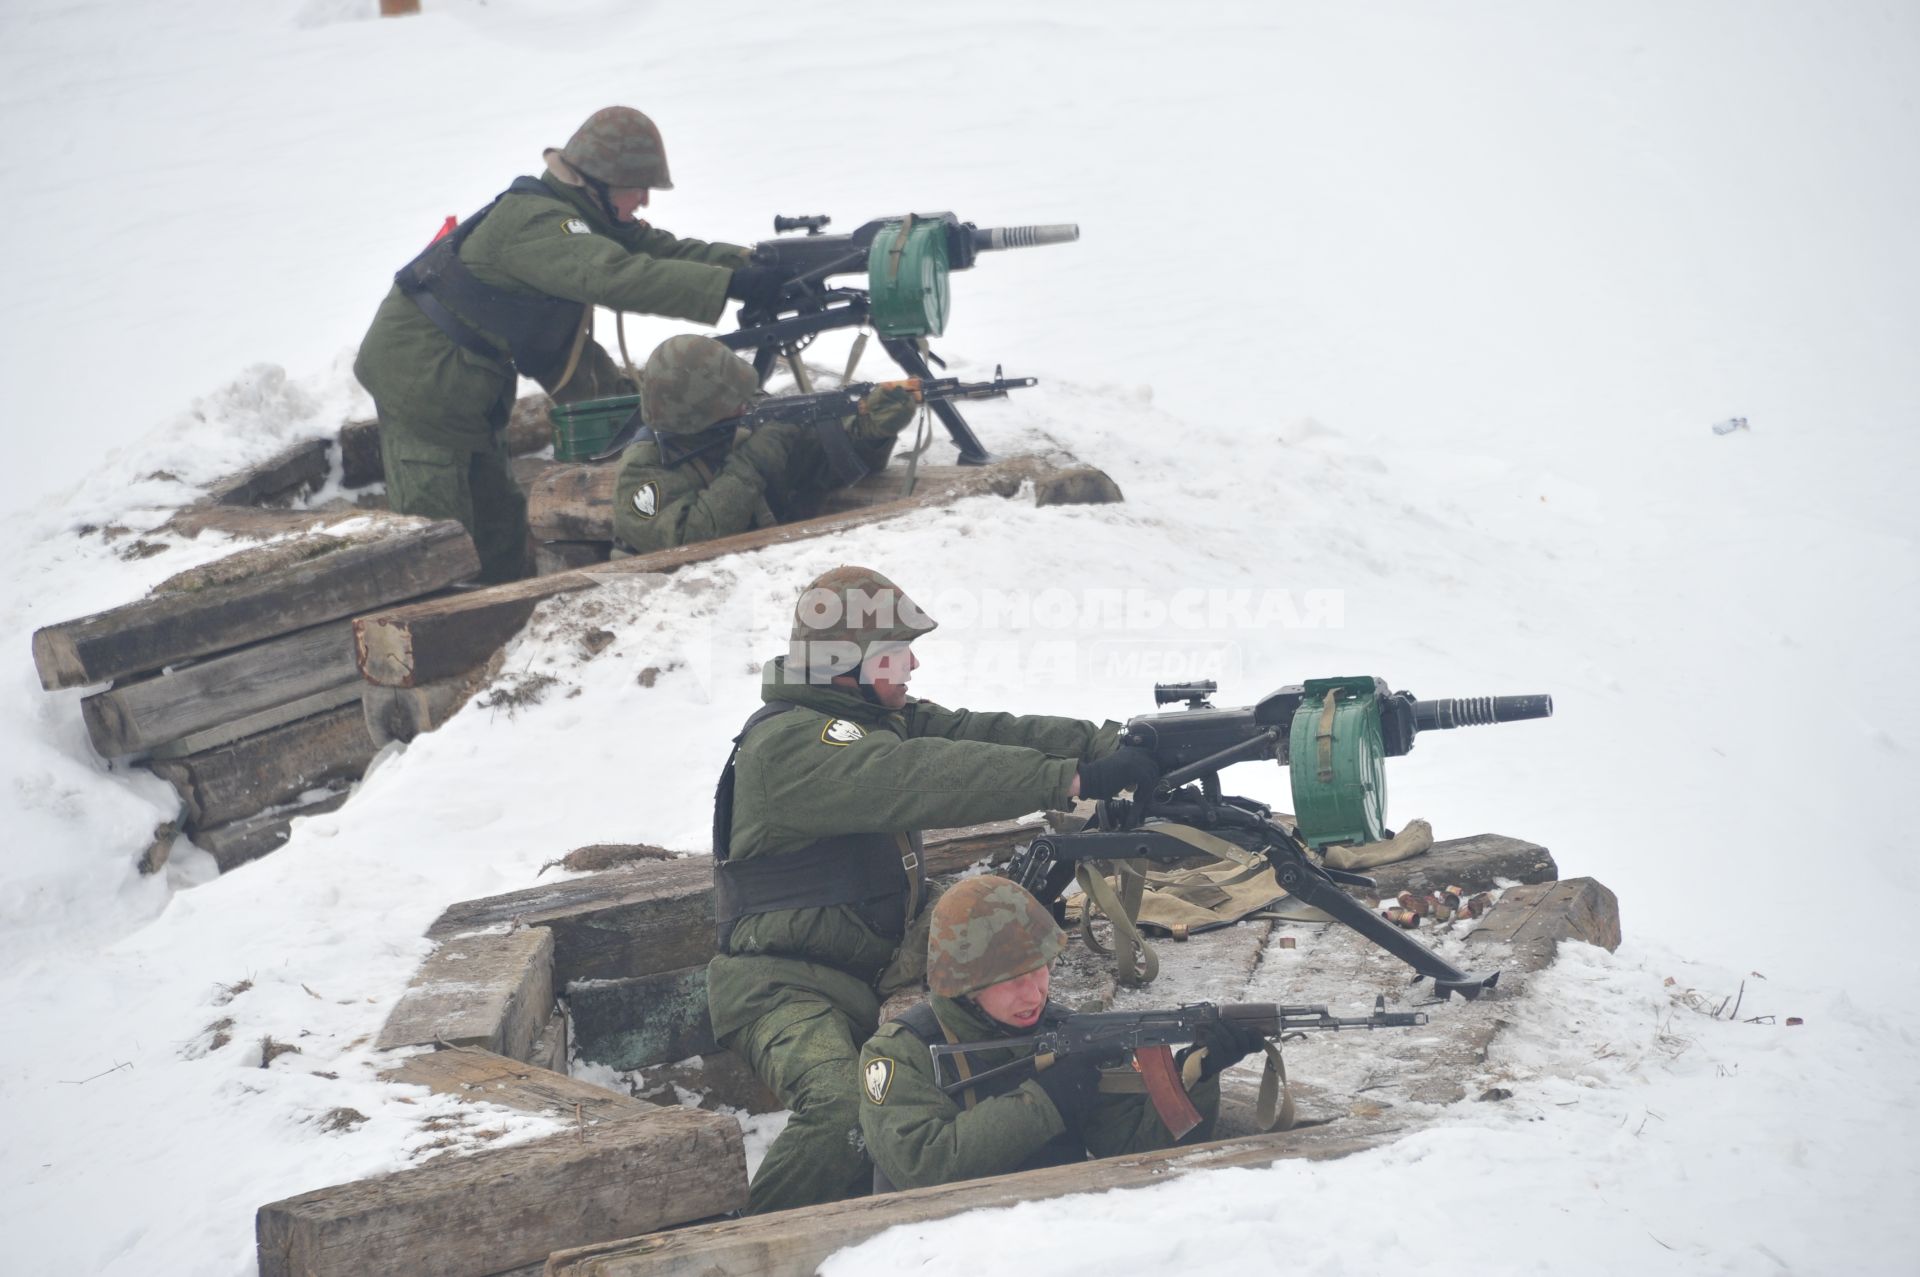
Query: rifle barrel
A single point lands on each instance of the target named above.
(995, 238)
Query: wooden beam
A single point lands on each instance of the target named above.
(794, 1243)
(260, 721)
(504, 1208)
(291, 472)
(402, 713)
(446, 637)
(1532, 920)
(274, 767)
(635, 920)
(155, 632)
(490, 991)
(948, 851)
(471, 1073)
(234, 844)
(641, 1021)
(138, 716)
(1472, 863)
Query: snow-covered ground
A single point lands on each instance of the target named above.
(1403, 326)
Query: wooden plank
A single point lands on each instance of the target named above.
(1474, 863)
(275, 767)
(138, 716)
(564, 556)
(504, 1208)
(490, 991)
(258, 524)
(472, 1073)
(640, 1021)
(795, 1243)
(1532, 920)
(402, 713)
(253, 724)
(948, 851)
(529, 429)
(291, 472)
(155, 632)
(446, 637)
(233, 844)
(636, 920)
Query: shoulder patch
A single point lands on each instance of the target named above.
(841, 732)
(879, 1077)
(646, 502)
(574, 226)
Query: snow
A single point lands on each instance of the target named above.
(1419, 313)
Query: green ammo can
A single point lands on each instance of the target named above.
(1337, 764)
(582, 429)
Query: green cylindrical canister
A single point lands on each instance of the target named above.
(907, 279)
(1336, 763)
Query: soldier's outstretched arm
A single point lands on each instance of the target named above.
(1066, 737)
(583, 265)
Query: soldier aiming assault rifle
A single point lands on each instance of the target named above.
(906, 260)
(1149, 1038)
(1334, 735)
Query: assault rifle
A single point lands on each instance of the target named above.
(1149, 1038)
(824, 412)
(1335, 733)
(906, 260)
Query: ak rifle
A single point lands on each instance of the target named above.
(1148, 1039)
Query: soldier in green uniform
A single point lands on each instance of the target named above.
(990, 954)
(510, 293)
(819, 890)
(713, 486)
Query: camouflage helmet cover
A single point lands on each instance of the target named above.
(986, 930)
(690, 382)
(620, 147)
(849, 614)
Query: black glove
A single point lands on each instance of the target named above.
(758, 286)
(1226, 1045)
(1072, 1083)
(1128, 767)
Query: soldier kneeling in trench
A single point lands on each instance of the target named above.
(686, 479)
(990, 953)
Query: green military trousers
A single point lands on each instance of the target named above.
(808, 1051)
(475, 488)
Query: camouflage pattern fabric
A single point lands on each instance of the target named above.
(986, 930)
(920, 1136)
(620, 147)
(690, 382)
(560, 244)
(848, 614)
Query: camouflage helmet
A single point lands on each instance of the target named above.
(690, 382)
(620, 147)
(986, 930)
(847, 615)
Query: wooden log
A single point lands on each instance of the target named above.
(794, 1243)
(234, 844)
(564, 556)
(572, 501)
(1532, 920)
(636, 920)
(720, 1078)
(471, 1073)
(446, 637)
(1473, 863)
(640, 1021)
(402, 713)
(552, 1050)
(1082, 485)
(151, 633)
(259, 721)
(490, 991)
(529, 429)
(272, 768)
(504, 1208)
(291, 472)
(258, 524)
(138, 716)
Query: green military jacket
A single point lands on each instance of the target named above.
(919, 1136)
(730, 487)
(560, 245)
(840, 765)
